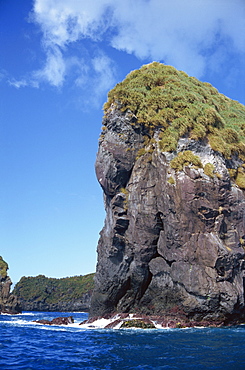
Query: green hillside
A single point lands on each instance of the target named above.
(51, 290)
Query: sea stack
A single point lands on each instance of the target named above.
(8, 302)
(171, 163)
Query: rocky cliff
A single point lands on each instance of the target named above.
(40, 293)
(171, 165)
(8, 302)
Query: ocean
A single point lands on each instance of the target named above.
(30, 346)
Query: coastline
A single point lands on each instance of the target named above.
(137, 321)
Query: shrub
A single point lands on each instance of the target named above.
(219, 145)
(199, 132)
(230, 135)
(240, 178)
(209, 170)
(186, 158)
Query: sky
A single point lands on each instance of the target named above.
(58, 60)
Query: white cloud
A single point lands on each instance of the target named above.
(54, 70)
(18, 84)
(96, 78)
(177, 32)
(104, 70)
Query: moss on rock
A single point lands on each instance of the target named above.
(186, 158)
(138, 323)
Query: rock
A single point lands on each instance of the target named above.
(168, 244)
(57, 321)
(9, 303)
(138, 323)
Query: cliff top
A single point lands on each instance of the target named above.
(163, 98)
(166, 104)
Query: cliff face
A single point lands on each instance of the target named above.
(174, 234)
(75, 305)
(69, 294)
(8, 302)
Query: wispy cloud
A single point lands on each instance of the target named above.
(193, 35)
(54, 71)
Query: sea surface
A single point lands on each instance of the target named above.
(30, 346)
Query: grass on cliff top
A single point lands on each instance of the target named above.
(3, 267)
(167, 100)
(51, 290)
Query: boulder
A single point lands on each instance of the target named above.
(57, 321)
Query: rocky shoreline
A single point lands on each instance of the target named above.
(159, 322)
(137, 321)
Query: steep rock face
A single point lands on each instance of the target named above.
(8, 302)
(173, 239)
(78, 305)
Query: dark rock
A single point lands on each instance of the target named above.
(167, 245)
(81, 304)
(43, 322)
(113, 324)
(57, 321)
(9, 303)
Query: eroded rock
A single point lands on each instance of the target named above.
(171, 239)
(57, 321)
(9, 303)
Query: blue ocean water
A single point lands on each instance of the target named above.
(30, 346)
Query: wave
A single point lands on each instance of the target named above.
(114, 322)
(18, 314)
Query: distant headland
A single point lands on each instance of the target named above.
(40, 293)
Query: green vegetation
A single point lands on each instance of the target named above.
(137, 323)
(209, 170)
(186, 158)
(3, 268)
(169, 101)
(240, 178)
(51, 290)
(171, 180)
(125, 202)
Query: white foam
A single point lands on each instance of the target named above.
(101, 323)
(19, 322)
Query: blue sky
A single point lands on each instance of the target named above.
(58, 60)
